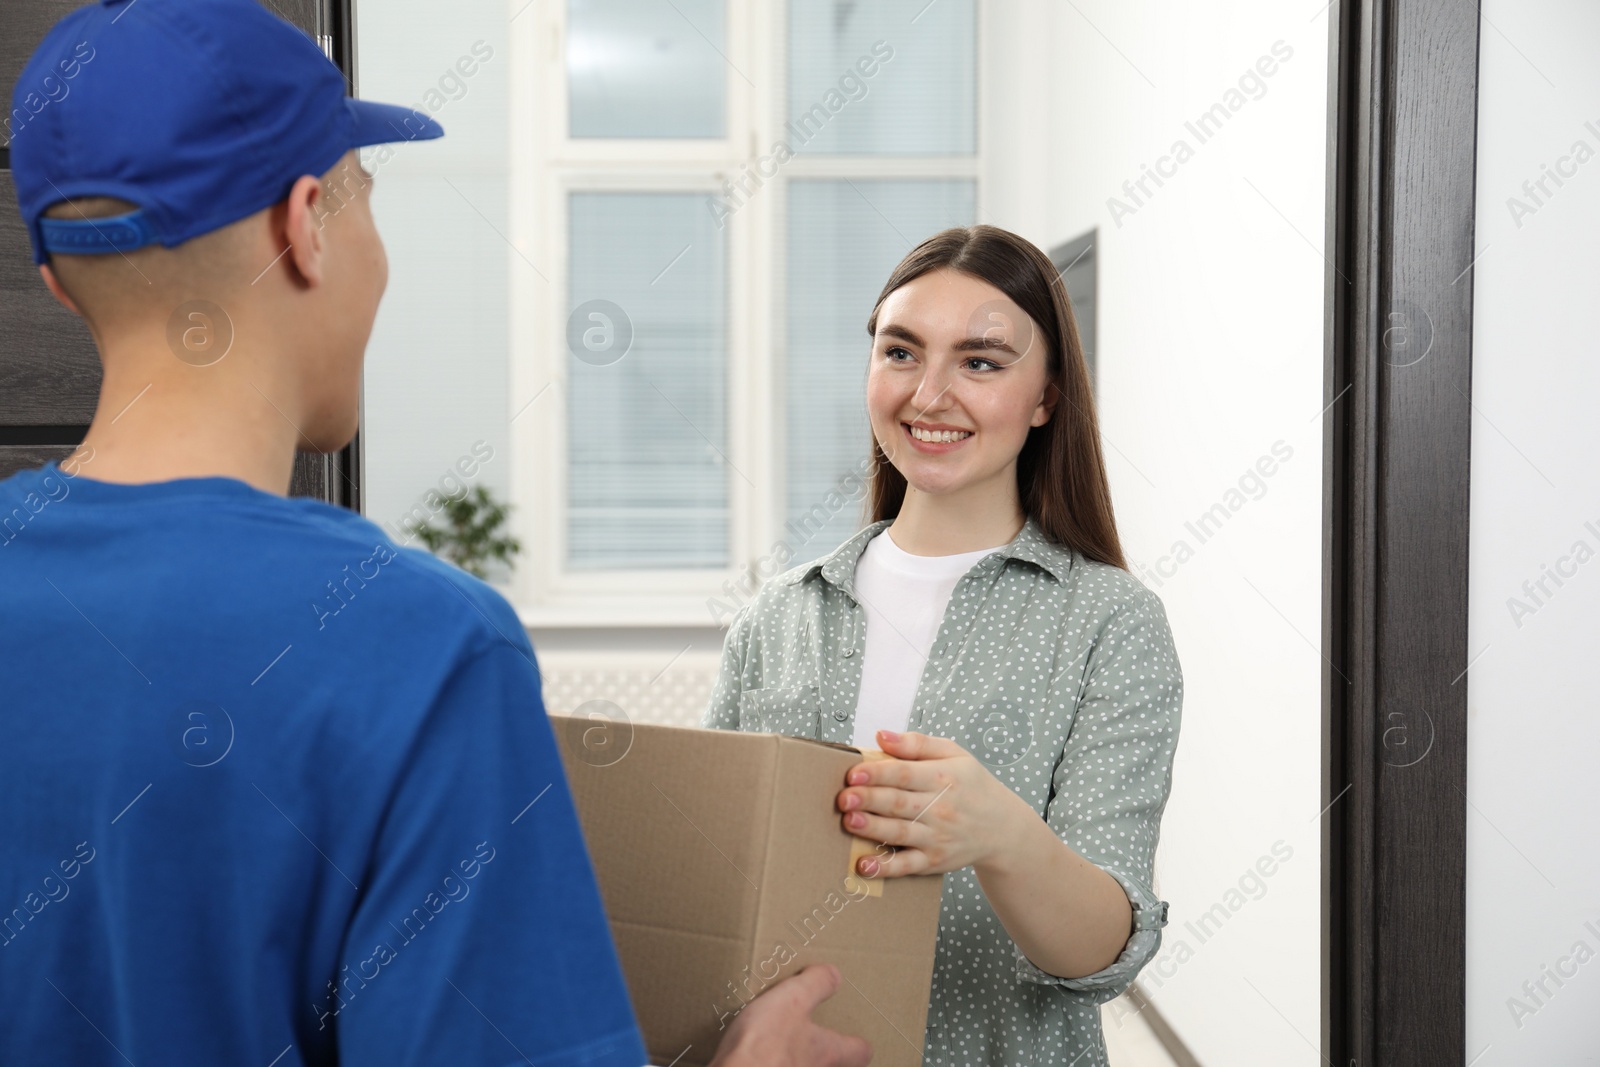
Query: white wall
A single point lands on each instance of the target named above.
(1533, 872)
(1210, 353)
(436, 373)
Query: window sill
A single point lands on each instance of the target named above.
(604, 613)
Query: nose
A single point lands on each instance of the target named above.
(933, 389)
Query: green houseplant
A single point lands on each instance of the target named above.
(466, 532)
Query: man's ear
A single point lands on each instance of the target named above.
(302, 229)
(53, 283)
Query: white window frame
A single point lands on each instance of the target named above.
(546, 166)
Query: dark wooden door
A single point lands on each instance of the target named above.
(49, 369)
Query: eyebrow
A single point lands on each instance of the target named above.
(901, 332)
(970, 344)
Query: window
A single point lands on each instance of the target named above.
(645, 439)
(711, 196)
(925, 105)
(644, 68)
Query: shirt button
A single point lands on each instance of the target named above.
(841, 715)
(849, 652)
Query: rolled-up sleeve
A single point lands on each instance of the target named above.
(1114, 776)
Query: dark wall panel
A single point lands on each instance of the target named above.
(14, 458)
(23, 23)
(49, 372)
(302, 13)
(49, 369)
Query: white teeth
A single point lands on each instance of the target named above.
(940, 436)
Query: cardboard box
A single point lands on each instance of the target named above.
(724, 868)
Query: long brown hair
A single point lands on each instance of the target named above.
(1061, 472)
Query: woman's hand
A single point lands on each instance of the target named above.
(936, 804)
(943, 810)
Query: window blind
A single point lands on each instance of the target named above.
(921, 100)
(647, 485)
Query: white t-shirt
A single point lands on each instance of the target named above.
(904, 597)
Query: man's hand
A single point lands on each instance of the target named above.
(776, 1030)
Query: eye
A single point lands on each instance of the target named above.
(979, 363)
(894, 354)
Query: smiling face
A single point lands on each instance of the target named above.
(959, 375)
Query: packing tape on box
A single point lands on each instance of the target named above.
(854, 883)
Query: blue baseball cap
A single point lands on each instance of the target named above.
(200, 112)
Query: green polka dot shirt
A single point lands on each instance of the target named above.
(1059, 673)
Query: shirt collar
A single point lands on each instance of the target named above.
(1030, 545)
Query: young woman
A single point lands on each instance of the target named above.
(985, 633)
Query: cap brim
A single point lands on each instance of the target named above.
(373, 123)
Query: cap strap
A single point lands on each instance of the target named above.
(93, 236)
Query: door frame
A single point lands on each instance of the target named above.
(335, 477)
(1402, 142)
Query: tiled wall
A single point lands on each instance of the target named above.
(645, 687)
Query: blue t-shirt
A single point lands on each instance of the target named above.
(275, 791)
